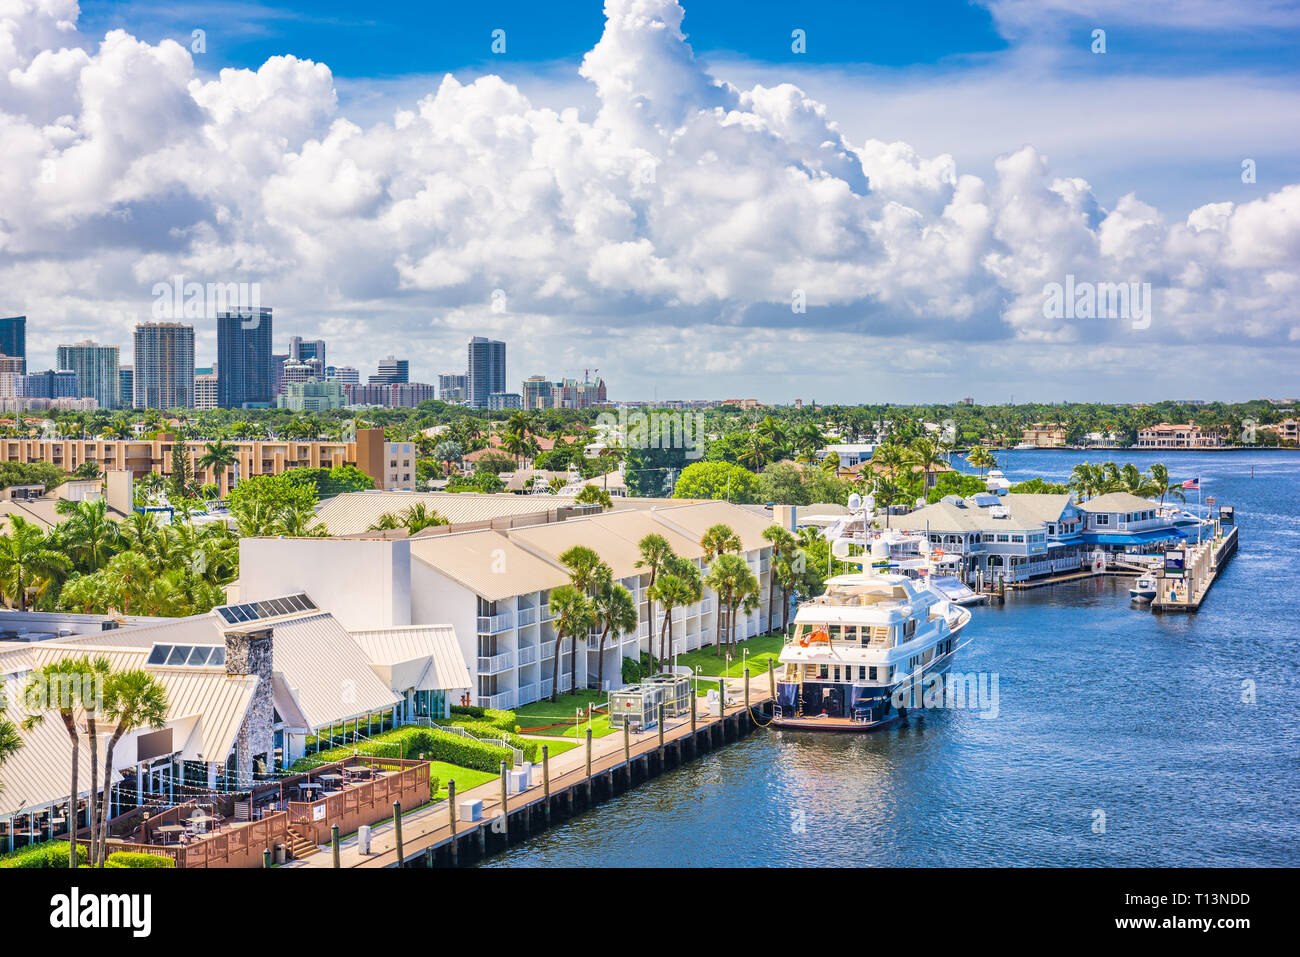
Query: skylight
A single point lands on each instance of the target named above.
(187, 656)
(270, 608)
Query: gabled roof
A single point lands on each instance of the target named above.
(354, 512)
(487, 563)
(423, 657)
(1117, 502)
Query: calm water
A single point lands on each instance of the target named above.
(1102, 707)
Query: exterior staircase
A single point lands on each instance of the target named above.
(300, 845)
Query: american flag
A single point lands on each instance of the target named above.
(1192, 485)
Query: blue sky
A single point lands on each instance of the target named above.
(938, 163)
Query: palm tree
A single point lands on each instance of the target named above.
(132, 699)
(68, 687)
(27, 563)
(655, 555)
(718, 540)
(448, 452)
(217, 457)
(887, 459)
(10, 742)
(736, 586)
(981, 458)
(591, 495)
(574, 616)
(680, 585)
(1160, 483)
(588, 574)
(785, 550)
(924, 455)
(90, 534)
(616, 612)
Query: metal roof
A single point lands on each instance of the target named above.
(354, 512)
(423, 657)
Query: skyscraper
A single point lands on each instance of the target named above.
(164, 365)
(245, 375)
(50, 384)
(125, 386)
(13, 338)
(451, 388)
(486, 372)
(392, 369)
(300, 349)
(96, 367)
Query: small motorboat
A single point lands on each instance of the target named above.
(1144, 589)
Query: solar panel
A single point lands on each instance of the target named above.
(266, 608)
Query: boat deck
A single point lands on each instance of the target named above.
(829, 724)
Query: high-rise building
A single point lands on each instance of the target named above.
(486, 371)
(206, 391)
(301, 349)
(295, 371)
(314, 395)
(245, 375)
(392, 369)
(345, 375)
(451, 387)
(125, 386)
(278, 359)
(164, 366)
(50, 384)
(538, 393)
(505, 400)
(13, 339)
(96, 367)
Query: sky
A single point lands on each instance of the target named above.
(834, 201)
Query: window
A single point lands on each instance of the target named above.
(872, 672)
(1103, 519)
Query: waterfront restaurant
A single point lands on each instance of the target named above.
(249, 686)
(1025, 536)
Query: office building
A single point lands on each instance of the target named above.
(485, 372)
(392, 369)
(498, 401)
(164, 366)
(301, 349)
(245, 374)
(452, 387)
(538, 393)
(313, 395)
(205, 391)
(13, 339)
(391, 395)
(96, 367)
(346, 375)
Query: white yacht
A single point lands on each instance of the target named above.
(869, 635)
(1144, 589)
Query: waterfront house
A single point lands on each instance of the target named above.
(1186, 436)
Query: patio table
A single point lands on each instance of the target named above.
(169, 830)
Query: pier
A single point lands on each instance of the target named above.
(574, 782)
(1200, 570)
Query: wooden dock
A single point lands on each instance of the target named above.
(571, 784)
(1200, 571)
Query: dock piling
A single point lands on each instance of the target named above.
(771, 677)
(746, 690)
(397, 831)
(451, 819)
(334, 843)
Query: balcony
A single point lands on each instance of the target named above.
(548, 648)
(495, 624)
(526, 616)
(496, 664)
(505, 700)
(527, 655)
(566, 682)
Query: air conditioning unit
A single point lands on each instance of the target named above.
(999, 511)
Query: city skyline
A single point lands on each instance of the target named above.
(853, 201)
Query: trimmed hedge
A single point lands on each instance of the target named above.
(52, 854)
(132, 859)
(506, 721)
(484, 729)
(412, 741)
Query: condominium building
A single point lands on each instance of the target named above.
(245, 376)
(300, 370)
(96, 367)
(347, 375)
(206, 392)
(393, 395)
(50, 384)
(485, 372)
(164, 366)
(538, 393)
(301, 349)
(505, 400)
(452, 387)
(13, 340)
(1044, 436)
(493, 588)
(1187, 436)
(125, 386)
(369, 453)
(1288, 430)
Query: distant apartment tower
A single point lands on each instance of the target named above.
(205, 391)
(451, 388)
(344, 375)
(245, 375)
(96, 367)
(392, 369)
(13, 339)
(300, 349)
(538, 393)
(278, 360)
(313, 396)
(164, 366)
(301, 371)
(50, 384)
(486, 371)
(505, 400)
(125, 386)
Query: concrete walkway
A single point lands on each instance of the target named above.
(430, 819)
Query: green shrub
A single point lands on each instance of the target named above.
(504, 720)
(631, 671)
(131, 859)
(47, 854)
(411, 742)
(483, 729)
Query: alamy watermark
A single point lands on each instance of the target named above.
(969, 691)
(179, 299)
(1098, 300)
(657, 430)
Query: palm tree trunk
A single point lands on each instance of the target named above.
(72, 790)
(108, 790)
(785, 610)
(670, 643)
(650, 632)
(600, 664)
(666, 626)
(573, 663)
(94, 787)
(555, 666)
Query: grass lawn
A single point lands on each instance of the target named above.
(465, 778)
(761, 649)
(533, 718)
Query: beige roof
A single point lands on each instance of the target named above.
(42, 511)
(620, 553)
(694, 520)
(1117, 502)
(634, 526)
(423, 657)
(354, 512)
(487, 563)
